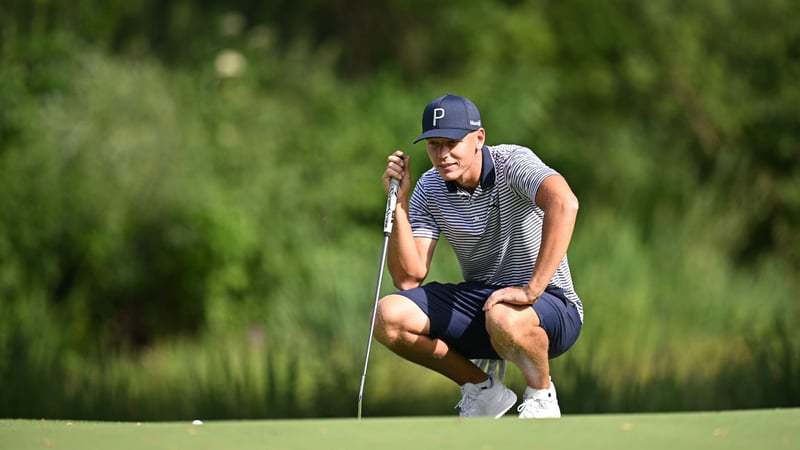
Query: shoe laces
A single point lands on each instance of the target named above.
(468, 400)
(534, 404)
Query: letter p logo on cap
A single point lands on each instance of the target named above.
(438, 113)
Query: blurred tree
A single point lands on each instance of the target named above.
(671, 103)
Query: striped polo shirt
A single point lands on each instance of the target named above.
(496, 230)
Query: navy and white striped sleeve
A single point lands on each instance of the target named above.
(423, 225)
(525, 172)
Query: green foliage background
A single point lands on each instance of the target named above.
(190, 201)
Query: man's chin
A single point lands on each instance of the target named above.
(448, 175)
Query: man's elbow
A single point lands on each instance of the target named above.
(407, 282)
(565, 205)
(556, 197)
(572, 205)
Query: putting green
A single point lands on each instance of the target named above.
(751, 429)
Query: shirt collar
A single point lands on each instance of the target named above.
(487, 173)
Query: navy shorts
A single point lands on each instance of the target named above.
(457, 317)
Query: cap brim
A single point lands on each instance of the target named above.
(449, 133)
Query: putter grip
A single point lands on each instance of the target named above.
(391, 203)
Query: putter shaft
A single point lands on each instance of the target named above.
(388, 223)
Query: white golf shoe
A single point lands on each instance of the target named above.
(539, 403)
(493, 401)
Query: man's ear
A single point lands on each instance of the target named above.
(480, 137)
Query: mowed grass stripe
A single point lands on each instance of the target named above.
(762, 429)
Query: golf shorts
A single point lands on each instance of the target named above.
(457, 317)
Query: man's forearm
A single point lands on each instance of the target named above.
(559, 223)
(406, 265)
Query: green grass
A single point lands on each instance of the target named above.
(746, 429)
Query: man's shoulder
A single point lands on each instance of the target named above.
(430, 176)
(506, 155)
(430, 180)
(504, 150)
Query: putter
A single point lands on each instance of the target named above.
(388, 222)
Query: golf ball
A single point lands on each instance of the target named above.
(197, 422)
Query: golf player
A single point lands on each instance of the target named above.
(509, 218)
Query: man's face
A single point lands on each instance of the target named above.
(458, 160)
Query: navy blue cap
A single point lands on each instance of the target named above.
(449, 116)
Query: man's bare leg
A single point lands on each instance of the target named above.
(403, 328)
(518, 337)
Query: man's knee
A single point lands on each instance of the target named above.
(504, 316)
(395, 316)
(513, 323)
